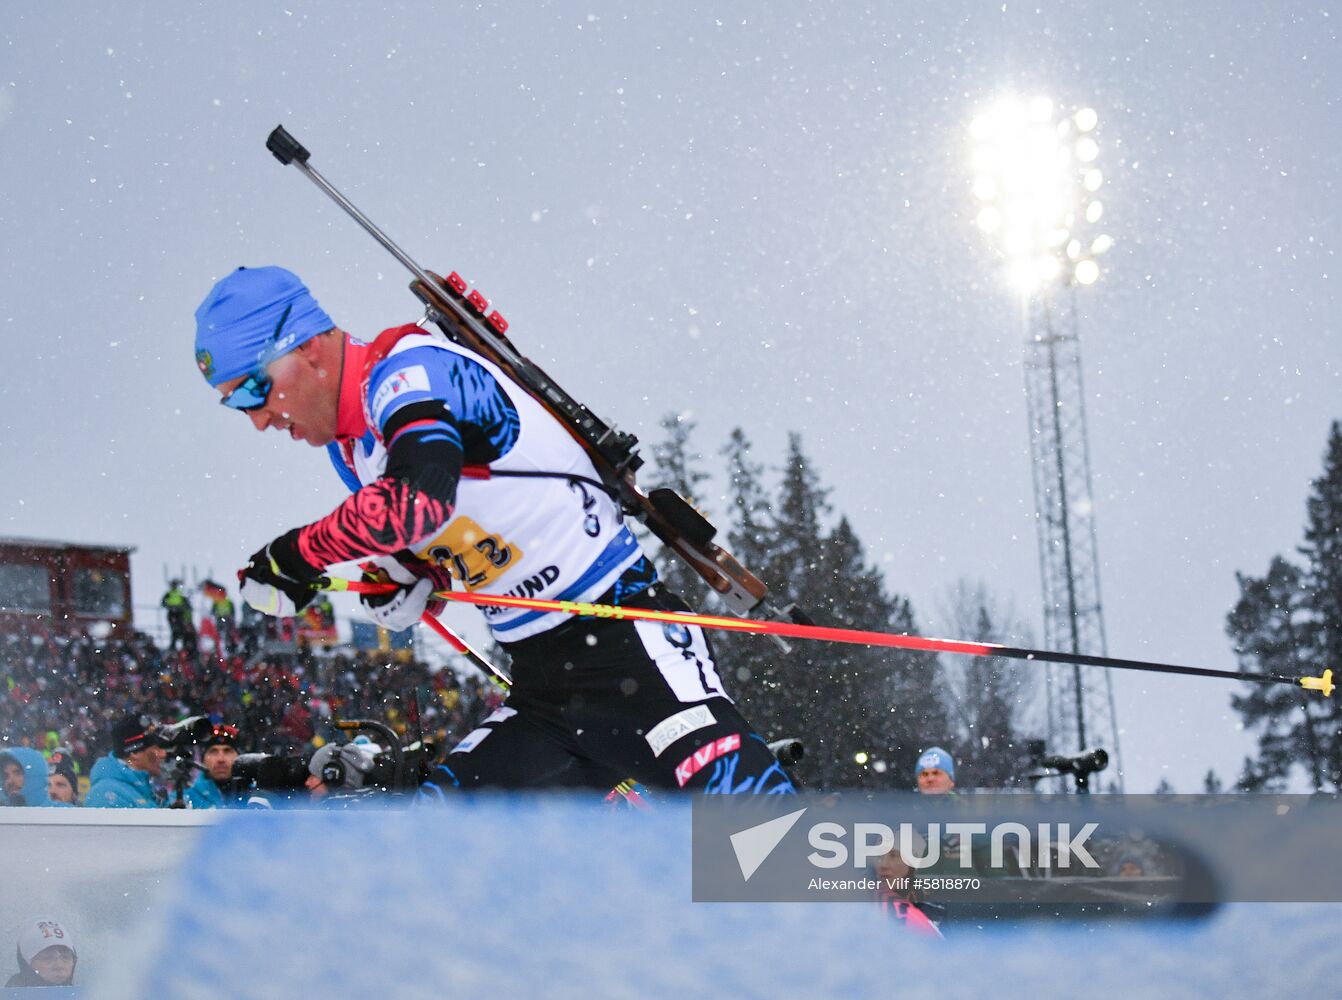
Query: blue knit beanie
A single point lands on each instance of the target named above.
(252, 317)
(939, 758)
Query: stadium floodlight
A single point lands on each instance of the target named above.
(1036, 184)
(1036, 187)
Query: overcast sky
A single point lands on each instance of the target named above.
(750, 216)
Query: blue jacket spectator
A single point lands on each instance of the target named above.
(117, 785)
(203, 793)
(13, 777)
(124, 778)
(218, 752)
(34, 774)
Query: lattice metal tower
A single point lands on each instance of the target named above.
(1080, 702)
(1037, 182)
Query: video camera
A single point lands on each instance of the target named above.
(1080, 767)
(271, 772)
(789, 751)
(183, 735)
(179, 740)
(346, 769)
(393, 768)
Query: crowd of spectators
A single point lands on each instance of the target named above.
(64, 691)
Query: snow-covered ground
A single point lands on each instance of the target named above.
(552, 897)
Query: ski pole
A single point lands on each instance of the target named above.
(1322, 683)
(492, 670)
(628, 789)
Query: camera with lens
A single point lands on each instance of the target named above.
(269, 772)
(789, 751)
(179, 739)
(358, 768)
(1080, 767)
(362, 766)
(179, 736)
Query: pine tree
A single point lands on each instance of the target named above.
(1252, 779)
(918, 717)
(796, 552)
(854, 708)
(678, 468)
(779, 690)
(995, 693)
(751, 510)
(1267, 625)
(876, 701)
(748, 663)
(1290, 621)
(1323, 583)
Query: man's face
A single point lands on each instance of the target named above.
(13, 778)
(55, 964)
(891, 866)
(149, 760)
(304, 396)
(59, 789)
(219, 762)
(934, 781)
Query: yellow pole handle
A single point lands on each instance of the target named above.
(1323, 684)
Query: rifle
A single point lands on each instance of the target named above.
(465, 318)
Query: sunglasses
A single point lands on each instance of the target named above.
(251, 394)
(255, 388)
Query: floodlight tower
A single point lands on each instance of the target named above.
(1036, 184)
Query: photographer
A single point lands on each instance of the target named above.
(214, 787)
(179, 741)
(342, 770)
(336, 775)
(124, 778)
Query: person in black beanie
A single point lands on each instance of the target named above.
(62, 781)
(213, 787)
(124, 778)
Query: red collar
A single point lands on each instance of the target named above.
(352, 420)
(349, 411)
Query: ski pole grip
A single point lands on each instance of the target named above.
(337, 584)
(1323, 684)
(285, 147)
